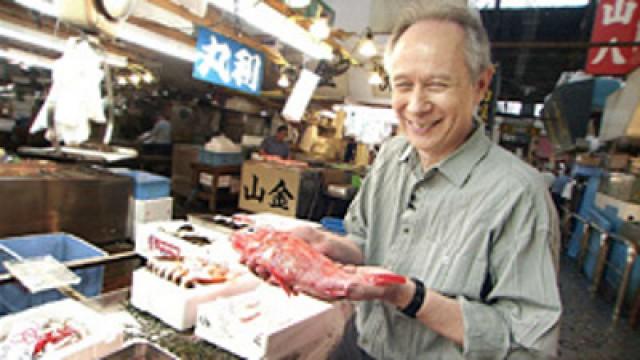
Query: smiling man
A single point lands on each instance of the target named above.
(469, 223)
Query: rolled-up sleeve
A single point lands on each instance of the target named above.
(522, 307)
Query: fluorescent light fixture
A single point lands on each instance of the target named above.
(320, 28)
(270, 21)
(46, 41)
(153, 41)
(297, 3)
(46, 7)
(27, 59)
(30, 36)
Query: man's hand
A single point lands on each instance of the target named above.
(397, 294)
(314, 237)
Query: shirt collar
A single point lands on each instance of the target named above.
(458, 166)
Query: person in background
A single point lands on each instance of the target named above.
(548, 176)
(277, 144)
(558, 187)
(161, 131)
(470, 224)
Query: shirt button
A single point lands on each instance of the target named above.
(405, 230)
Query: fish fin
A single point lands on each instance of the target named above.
(287, 289)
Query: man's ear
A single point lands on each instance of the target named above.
(483, 82)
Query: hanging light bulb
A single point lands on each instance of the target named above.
(367, 47)
(375, 78)
(297, 3)
(147, 77)
(283, 81)
(320, 28)
(135, 79)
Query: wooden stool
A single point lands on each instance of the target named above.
(216, 172)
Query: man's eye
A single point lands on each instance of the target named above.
(402, 86)
(438, 86)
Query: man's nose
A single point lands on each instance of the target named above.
(419, 100)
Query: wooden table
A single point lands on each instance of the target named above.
(216, 172)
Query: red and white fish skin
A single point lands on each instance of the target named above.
(294, 263)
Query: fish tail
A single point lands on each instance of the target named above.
(386, 279)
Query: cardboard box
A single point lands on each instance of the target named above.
(177, 306)
(268, 324)
(267, 187)
(618, 161)
(621, 116)
(588, 160)
(104, 335)
(182, 158)
(159, 238)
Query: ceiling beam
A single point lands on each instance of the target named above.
(213, 20)
(306, 23)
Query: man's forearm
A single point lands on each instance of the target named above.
(438, 312)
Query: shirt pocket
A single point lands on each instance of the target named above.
(464, 274)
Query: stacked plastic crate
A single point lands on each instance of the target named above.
(151, 199)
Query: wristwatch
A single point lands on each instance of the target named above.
(416, 302)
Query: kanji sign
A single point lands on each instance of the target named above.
(269, 188)
(617, 21)
(223, 61)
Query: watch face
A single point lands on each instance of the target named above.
(115, 9)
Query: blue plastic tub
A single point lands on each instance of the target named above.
(219, 159)
(334, 225)
(63, 247)
(146, 185)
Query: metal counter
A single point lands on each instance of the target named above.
(39, 197)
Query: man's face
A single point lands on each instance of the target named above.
(433, 94)
(281, 135)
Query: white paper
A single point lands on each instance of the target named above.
(41, 273)
(300, 96)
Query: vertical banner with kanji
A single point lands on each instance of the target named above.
(617, 21)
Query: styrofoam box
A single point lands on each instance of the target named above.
(105, 335)
(145, 211)
(280, 222)
(156, 238)
(177, 306)
(268, 324)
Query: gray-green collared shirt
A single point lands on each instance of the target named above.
(480, 227)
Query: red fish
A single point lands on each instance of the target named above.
(295, 263)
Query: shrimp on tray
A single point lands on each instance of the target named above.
(292, 262)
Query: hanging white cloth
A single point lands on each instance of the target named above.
(75, 94)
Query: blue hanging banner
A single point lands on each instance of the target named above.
(225, 62)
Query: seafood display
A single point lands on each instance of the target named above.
(34, 339)
(189, 272)
(292, 262)
(285, 162)
(188, 233)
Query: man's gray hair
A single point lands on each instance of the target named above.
(476, 41)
